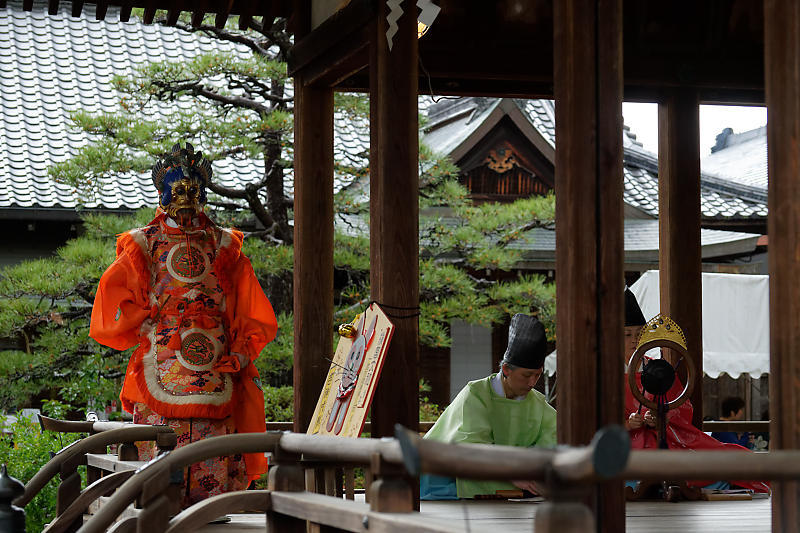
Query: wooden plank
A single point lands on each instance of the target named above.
(353, 516)
(782, 81)
(313, 244)
(679, 226)
(394, 216)
(589, 237)
(110, 463)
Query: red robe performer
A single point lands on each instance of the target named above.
(182, 289)
(681, 434)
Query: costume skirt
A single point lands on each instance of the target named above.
(207, 478)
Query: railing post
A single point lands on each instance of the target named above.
(127, 451)
(391, 492)
(69, 488)
(565, 510)
(166, 441)
(155, 502)
(12, 518)
(287, 476)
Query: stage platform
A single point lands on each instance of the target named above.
(512, 517)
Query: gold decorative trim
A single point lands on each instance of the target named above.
(661, 327)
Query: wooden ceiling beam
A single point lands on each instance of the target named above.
(125, 12)
(220, 19)
(350, 20)
(173, 15)
(149, 12)
(77, 8)
(101, 10)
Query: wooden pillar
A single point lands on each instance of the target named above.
(589, 231)
(394, 214)
(679, 258)
(313, 246)
(782, 84)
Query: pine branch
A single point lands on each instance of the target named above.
(225, 35)
(513, 235)
(170, 91)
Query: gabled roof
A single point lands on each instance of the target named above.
(456, 125)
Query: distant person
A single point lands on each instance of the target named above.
(733, 410)
(502, 408)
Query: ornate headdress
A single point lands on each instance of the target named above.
(662, 327)
(181, 164)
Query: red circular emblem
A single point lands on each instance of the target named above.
(197, 349)
(189, 264)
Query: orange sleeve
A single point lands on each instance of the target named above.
(254, 323)
(120, 305)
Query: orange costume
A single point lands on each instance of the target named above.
(188, 296)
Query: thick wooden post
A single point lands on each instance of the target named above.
(589, 236)
(782, 84)
(313, 246)
(394, 214)
(679, 258)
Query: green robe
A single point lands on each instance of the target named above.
(479, 415)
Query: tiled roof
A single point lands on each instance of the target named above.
(721, 198)
(51, 66)
(740, 157)
(641, 241)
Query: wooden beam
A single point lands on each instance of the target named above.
(394, 215)
(679, 225)
(782, 80)
(313, 245)
(351, 19)
(589, 229)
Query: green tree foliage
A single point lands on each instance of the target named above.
(24, 447)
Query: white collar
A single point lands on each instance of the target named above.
(497, 387)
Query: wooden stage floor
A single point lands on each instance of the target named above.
(511, 517)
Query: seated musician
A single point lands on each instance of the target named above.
(681, 434)
(502, 408)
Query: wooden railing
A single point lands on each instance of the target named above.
(289, 426)
(289, 506)
(71, 501)
(753, 426)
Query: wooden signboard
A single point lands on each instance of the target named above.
(346, 396)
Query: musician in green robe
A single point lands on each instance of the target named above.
(502, 408)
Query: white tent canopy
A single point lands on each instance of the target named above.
(735, 322)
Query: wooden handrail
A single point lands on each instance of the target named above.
(707, 464)
(101, 487)
(754, 426)
(289, 426)
(177, 459)
(340, 449)
(130, 433)
(201, 513)
(604, 458)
